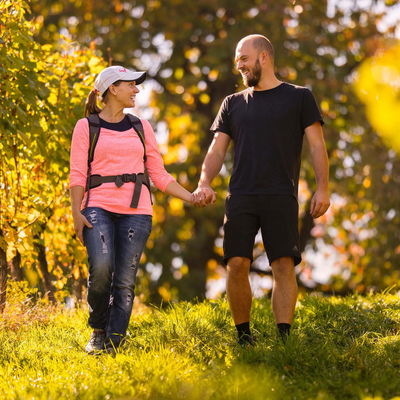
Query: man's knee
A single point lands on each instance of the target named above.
(238, 266)
(283, 268)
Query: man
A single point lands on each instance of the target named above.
(266, 123)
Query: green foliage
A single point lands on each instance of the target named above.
(340, 348)
(24, 307)
(189, 54)
(45, 77)
(43, 92)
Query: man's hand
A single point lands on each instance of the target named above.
(319, 203)
(79, 222)
(203, 196)
(315, 137)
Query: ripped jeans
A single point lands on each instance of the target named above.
(114, 246)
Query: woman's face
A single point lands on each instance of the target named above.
(125, 93)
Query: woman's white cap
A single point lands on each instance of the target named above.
(115, 73)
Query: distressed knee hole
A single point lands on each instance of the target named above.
(135, 261)
(129, 299)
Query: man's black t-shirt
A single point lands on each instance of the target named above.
(267, 129)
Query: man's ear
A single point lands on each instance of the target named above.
(264, 57)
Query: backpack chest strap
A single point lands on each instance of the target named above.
(139, 179)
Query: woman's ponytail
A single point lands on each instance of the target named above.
(91, 103)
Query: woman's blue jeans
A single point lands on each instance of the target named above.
(114, 246)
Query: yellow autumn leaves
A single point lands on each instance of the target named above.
(378, 87)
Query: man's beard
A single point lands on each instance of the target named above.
(254, 77)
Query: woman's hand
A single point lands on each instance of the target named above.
(79, 222)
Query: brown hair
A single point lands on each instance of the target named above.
(91, 106)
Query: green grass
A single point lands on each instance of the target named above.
(340, 348)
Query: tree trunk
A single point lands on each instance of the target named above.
(3, 272)
(16, 270)
(193, 285)
(43, 266)
(78, 285)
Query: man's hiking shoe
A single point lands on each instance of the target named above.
(96, 342)
(246, 340)
(284, 331)
(284, 337)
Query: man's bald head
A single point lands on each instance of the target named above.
(260, 43)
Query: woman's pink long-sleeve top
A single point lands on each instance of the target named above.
(117, 153)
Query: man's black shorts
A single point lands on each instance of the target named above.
(276, 215)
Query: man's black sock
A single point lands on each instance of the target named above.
(284, 330)
(244, 333)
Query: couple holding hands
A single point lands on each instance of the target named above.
(113, 154)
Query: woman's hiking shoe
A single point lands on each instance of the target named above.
(113, 343)
(96, 342)
(110, 348)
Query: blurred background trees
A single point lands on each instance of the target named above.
(48, 65)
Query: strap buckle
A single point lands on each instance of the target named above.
(118, 181)
(124, 178)
(128, 178)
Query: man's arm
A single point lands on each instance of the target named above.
(211, 166)
(319, 157)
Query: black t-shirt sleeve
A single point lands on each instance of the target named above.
(221, 122)
(309, 110)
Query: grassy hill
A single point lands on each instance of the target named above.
(340, 348)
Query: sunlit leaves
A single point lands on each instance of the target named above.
(176, 207)
(190, 55)
(42, 98)
(378, 86)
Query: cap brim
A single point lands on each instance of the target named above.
(138, 77)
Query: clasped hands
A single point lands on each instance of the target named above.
(203, 196)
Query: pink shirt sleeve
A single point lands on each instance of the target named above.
(155, 165)
(79, 154)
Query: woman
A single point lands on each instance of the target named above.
(111, 202)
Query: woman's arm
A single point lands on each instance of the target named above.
(80, 220)
(155, 166)
(176, 190)
(78, 172)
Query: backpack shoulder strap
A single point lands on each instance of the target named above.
(94, 133)
(138, 127)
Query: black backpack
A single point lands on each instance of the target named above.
(93, 181)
